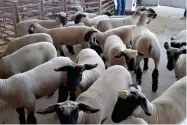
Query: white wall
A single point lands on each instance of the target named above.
(173, 3)
(150, 2)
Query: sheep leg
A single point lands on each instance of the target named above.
(70, 49)
(146, 61)
(155, 75)
(62, 93)
(21, 113)
(61, 50)
(31, 118)
(72, 96)
(138, 70)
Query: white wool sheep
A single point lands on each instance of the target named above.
(89, 56)
(22, 27)
(169, 108)
(81, 17)
(22, 90)
(176, 60)
(99, 99)
(25, 40)
(114, 49)
(26, 58)
(144, 41)
(179, 40)
(111, 23)
(63, 36)
(124, 32)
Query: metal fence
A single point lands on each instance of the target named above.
(14, 11)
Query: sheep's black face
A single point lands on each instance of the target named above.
(126, 105)
(129, 61)
(95, 46)
(68, 111)
(63, 19)
(88, 35)
(173, 55)
(74, 76)
(79, 17)
(31, 29)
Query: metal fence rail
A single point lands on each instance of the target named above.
(14, 11)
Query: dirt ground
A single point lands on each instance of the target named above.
(166, 24)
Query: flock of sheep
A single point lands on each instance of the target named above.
(98, 85)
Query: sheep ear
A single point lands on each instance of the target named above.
(90, 66)
(144, 106)
(88, 35)
(87, 108)
(172, 38)
(48, 110)
(166, 45)
(141, 54)
(31, 29)
(183, 51)
(64, 68)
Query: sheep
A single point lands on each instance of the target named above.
(176, 59)
(111, 23)
(124, 32)
(22, 90)
(179, 40)
(145, 42)
(63, 36)
(22, 27)
(89, 56)
(81, 17)
(114, 49)
(95, 104)
(25, 40)
(169, 108)
(26, 58)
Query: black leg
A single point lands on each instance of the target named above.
(138, 75)
(70, 49)
(62, 93)
(21, 113)
(155, 75)
(146, 63)
(31, 118)
(72, 96)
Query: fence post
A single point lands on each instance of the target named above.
(64, 3)
(15, 15)
(100, 7)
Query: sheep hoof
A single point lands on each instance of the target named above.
(31, 119)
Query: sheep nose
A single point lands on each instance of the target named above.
(169, 67)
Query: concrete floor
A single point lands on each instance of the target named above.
(167, 24)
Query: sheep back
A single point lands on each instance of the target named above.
(103, 93)
(26, 58)
(89, 56)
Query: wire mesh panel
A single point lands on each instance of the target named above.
(7, 20)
